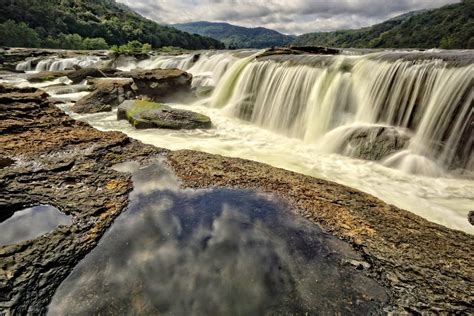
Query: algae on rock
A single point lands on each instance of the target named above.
(145, 114)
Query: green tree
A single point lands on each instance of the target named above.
(18, 35)
(95, 43)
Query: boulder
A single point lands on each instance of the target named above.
(108, 93)
(82, 74)
(159, 84)
(299, 50)
(374, 142)
(144, 114)
(47, 76)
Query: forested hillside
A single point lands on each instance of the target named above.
(451, 26)
(234, 36)
(86, 24)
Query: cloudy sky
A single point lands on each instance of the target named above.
(286, 16)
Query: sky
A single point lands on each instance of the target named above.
(286, 16)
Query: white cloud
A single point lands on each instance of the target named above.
(291, 17)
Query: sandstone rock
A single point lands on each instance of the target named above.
(5, 162)
(144, 114)
(294, 50)
(108, 93)
(47, 75)
(80, 75)
(66, 164)
(158, 84)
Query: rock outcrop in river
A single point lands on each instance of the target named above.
(155, 85)
(47, 158)
(144, 114)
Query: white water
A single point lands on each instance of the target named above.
(295, 112)
(441, 200)
(58, 64)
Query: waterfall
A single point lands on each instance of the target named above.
(24, 66)
(324, 100)
(58, 64)
(207, 68)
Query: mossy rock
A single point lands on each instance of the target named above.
(46, 76)
(144, 114)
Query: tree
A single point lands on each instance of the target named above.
(18, 35)
(95, 43)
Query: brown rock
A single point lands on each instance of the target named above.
(65, 164)
(47, 75)
(158, 84)
(108, 93)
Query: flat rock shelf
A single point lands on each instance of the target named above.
(374, 257)
(215, 252)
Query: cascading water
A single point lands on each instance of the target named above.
(58, 64)
(410, 111)
(310, 98)
(207, 67)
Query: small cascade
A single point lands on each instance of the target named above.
(207, 68)
(24, 66)
(210, 68)
(308, 97)
(224, 91)
(57, 64)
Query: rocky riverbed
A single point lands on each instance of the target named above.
(47, 158)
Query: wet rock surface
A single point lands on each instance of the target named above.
(144, 114)
(158, 84)
(215, 252)
(65, 164)
(374, 143)
(107, 94)
(295, 50)
(82, 74)
(155, 85)
(47, 76)
(428, 267)
(47, 158)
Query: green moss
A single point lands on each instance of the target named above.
(47, 78)
(140, 106)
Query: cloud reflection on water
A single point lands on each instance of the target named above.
(213, 252)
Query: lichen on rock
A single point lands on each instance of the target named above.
(145, 114)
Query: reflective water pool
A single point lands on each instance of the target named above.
(31, 223)
(214, 252)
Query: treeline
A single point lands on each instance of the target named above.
(14, 34)
(449, 27)
(86, 24)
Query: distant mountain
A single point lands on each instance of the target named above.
(451, 26)
(234, 36)
(67, 23)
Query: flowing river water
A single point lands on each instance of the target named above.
(300, 112)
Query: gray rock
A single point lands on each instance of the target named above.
(144, 114)
(79, 75)
(375, 142)
(159, 84)
(47, 76)
(108, 93)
